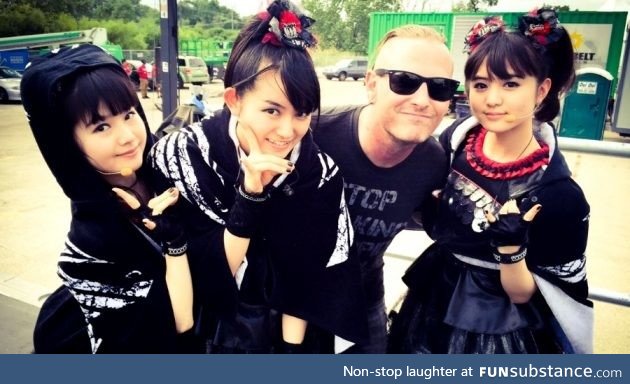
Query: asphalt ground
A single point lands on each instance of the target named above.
(34, 219)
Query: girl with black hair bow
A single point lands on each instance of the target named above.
(266, 206)
(507, 271)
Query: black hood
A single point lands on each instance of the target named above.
(40, 86)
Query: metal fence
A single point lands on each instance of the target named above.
(139, 54)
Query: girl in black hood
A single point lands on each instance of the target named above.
(124, 263)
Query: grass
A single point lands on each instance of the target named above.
(328, 56)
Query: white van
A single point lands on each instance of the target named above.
(191, 69)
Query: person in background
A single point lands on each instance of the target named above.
(143, 76)
(507, 272)
(124, 268)
(266, 205)
(390, 161)
(200, 109)
(157, 81)
(126, 67)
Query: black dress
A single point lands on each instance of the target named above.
(456, 303)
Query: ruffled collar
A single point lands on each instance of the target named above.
(503, 171)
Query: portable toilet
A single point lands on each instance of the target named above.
(586, 105)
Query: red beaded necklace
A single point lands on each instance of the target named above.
(502, 171)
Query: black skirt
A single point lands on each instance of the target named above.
(454, 307)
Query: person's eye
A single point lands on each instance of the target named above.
(272, 111)
(511, 84)
(102, 127)
(130, 114)
(479, 85)
(303, 115)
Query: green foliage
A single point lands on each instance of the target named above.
(128, 10)
(22, 19)
(473, 5)
(128, 23)
(63, 22)
(559, 8)
(323, 57)
(207, 13)
(344, 24)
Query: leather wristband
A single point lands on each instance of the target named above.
(510, 258)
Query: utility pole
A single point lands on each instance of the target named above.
(168, 55)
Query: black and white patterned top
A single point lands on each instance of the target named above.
(303, 240)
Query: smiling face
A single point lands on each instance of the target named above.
(112, 142)
(505, 104)
(409, 118)
(266, 110)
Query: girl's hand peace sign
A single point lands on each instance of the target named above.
(260, 168)
(164, 227)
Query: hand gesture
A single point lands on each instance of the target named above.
(259, 168)
(164, 227)
(510, 228)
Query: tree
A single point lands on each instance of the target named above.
(128, 23)
(473, 5)
(344, 24)
(207, 13)
(22, 19)
(559, 8)
(128, 10)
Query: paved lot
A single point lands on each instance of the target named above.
(34, 219)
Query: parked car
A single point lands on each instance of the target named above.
(354, 67)
(9, 84)
(191, 69)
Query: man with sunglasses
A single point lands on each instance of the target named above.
(390, 161)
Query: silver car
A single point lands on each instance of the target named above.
(9, 84)
(355, 68)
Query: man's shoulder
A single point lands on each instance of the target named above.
(430, 146)
(332, 116)
(428, 152)
(337, 110)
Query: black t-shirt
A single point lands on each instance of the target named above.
(380, 200)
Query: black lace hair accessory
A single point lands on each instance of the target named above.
(288, 26)
(541, 26)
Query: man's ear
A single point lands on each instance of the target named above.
(231, 99)
(370, 85)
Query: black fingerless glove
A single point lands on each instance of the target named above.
(245, 214)
(509, 230)
(168, 231)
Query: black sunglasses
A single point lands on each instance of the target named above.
(407, 83)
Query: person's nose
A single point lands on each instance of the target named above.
(494, 96)
(421, 95)
(126, 133)
(285, 127)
